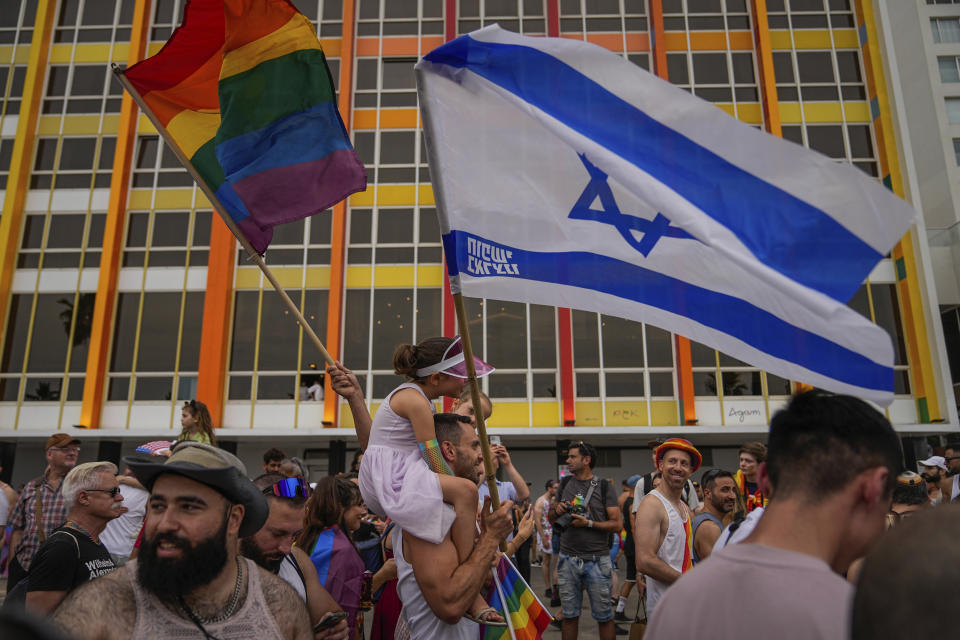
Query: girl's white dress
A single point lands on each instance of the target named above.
(396, 482)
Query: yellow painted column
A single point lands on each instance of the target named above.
(98, 360)
(21, 161)
(910, 295)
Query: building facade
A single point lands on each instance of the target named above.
(123, 295)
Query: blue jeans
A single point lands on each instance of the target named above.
(593, 572)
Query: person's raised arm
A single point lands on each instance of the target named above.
(538, 516)
(649, 536)
(345, 383)
(524, 530)
(519, 484)
(448, 588)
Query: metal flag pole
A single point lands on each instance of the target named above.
(475, 397)
(207, 191)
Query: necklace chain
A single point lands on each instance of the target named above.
(231, 607)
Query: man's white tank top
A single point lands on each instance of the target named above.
(671, 550)
(416, 612)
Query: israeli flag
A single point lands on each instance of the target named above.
(566, 175)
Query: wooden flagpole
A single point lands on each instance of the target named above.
(475, 397)
(207, 191)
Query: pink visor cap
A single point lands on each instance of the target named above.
(453, 363)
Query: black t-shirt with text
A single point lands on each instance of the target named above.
(67, 560)
(584, 540)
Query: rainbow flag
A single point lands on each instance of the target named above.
(528, 617)
(687, 544)
(243, 93)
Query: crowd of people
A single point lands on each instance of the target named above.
(188, 543)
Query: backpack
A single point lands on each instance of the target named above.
(17, 597)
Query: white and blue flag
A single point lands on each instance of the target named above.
(565, 175)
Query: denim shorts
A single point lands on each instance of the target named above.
(593, 572)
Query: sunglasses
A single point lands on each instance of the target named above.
(289, 488)
(113, 492)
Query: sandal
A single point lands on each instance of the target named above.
(482, 617)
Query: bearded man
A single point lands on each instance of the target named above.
(188, 580)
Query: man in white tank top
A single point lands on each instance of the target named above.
(662, 528)
(188, 580)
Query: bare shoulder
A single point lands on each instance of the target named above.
(651, 508)
(285, 605)
(102, 608)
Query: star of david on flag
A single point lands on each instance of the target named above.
(567, 176)
(598, 188)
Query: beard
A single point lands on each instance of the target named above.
(249, 549)
(200, 563)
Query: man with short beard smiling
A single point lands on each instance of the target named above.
(188, 580)
(272, 548)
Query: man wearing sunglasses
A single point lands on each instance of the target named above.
(950, 485)
(272, 548)
(73, 554)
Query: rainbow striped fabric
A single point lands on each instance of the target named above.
(243, 90)
(528, 617)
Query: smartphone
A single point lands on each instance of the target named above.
(494, 439)
(329, 620)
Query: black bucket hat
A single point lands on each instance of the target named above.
(214, 468)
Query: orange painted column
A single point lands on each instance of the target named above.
(687, 411)
(215, 334)
(98, 360)
(338, 231)
(21, 161)
(767, 81)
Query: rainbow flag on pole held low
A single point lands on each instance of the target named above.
(243, 95)
(528, 618)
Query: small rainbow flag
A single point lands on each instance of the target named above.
(528, 617)
(242, 93)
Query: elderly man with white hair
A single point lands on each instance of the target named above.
(73, 553)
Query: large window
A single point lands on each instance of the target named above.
(156, 346)
(810, 14)
(45, 352)
(617, 358)
(953, 110)
(945, 29)
(949, 68)
(93, 21)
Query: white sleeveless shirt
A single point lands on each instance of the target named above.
(671, 550)
(418, 615)
(290, 573)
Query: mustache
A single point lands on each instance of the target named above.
(177, 541)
